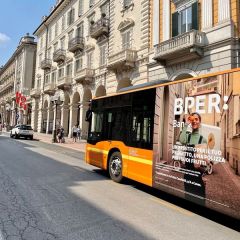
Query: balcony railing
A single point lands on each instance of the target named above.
(75, 44)
(64, 82)
(49, 88)
(7, 86)
(35, 92)
(187, 45)
(85, 76)
(59, 55)
(46, 64)
(101, 27)
(124, 59)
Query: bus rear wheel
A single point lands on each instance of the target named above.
(115, 167)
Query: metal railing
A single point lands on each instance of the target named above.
(76, 42)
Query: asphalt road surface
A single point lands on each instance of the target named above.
(48, 192)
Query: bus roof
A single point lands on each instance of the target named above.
(162, 82)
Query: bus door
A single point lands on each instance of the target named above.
(116, 132)
(140, 150)
(95, 150)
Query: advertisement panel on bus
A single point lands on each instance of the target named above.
(196, 144)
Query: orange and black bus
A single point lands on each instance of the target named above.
(182, 137)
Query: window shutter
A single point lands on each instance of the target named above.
(195, 16)
(175, 24)
(69, 18)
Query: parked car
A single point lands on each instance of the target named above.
(21, 130)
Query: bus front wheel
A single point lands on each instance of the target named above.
(115, 167)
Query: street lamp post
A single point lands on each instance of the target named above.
(56, 101)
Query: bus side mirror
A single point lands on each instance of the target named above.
(88, 116)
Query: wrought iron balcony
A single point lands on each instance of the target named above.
(184, 47)
(64, 82)
(49, 88)
(35, 92)
(85, 76)
(101, 27)
(75, 44)
(122, 60)
(59, 55)
(46, 64)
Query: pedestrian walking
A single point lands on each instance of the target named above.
(79, 131)
(61, 135)
(74, 133)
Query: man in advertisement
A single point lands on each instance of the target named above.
(191, 137)
(196, 148)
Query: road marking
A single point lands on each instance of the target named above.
(172, 206)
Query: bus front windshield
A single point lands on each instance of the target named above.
(96, 125)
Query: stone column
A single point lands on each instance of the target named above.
(73, 117)
(54, 116)
(156, 22)
(223, 10)
(64, 119)
(166, 20)
(48, 118)
(24, 116)
(34, 117)
(207, 15)
(84, 124)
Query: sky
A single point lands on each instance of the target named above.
(18, 17)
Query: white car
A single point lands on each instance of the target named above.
(25, 131)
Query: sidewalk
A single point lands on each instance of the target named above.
(47, 138)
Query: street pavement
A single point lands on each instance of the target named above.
(48, 192)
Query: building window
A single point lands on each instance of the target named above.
(71, 16)
(127, 39)
(50, 35)
(70, 35)
(53, 77)
(63, 23)
(91, 3)
(49, 53)
(81, 6)
(105, 9)
(69, 70)
(90, 60)
(103, 51)
(78, 64)
(185, 20)
(47, 80)
(55, 47)
(90, 22)
(40, 58)
(38, 83)
(60, 72)
(62, 43)
(41, 42)
(79, 30)
(56, 29)
(127, 3)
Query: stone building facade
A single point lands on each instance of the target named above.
(190, 38)
(87, 49)
(17, 75)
